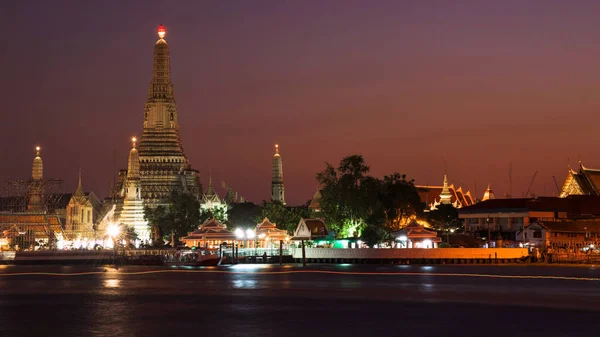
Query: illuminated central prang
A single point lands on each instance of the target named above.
(162, 31)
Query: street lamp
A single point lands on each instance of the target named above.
(250, 235)
(487, 220)
(239, 234)
(113, 231)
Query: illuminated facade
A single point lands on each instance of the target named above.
(80, 213)
(277, 189)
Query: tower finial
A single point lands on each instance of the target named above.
(161, 31)
(37, 150)
(133, 141)
(79, 191)
(276, 148)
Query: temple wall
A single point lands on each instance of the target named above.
(411, 253)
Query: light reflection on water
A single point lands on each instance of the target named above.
(112, 283)
(244, 284)
(250, 267)
(427, 287)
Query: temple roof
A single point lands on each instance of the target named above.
(311, 229)
(315, 202)
(211, 229)
(414, 230)
(270, 230)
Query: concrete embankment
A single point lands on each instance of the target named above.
(412, 255)
(92, 257)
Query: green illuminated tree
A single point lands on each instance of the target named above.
(346, 192)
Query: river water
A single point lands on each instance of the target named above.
(324, 300)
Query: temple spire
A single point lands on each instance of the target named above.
(446, 195)
(37, 169)
(277, 188)
(79, 191)
(161, 32)
(210, 190)
(133, 164)
(488, 194)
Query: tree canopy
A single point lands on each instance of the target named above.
(243, 215)
(180, 216)
(352, 200)
(285, 217)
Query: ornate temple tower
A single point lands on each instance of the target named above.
(277, 190)
(163, 165)
(446, 195)
(488, 194)
(36, 190)
(132, 214)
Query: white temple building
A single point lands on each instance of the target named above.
(132, 214)
(211, 202)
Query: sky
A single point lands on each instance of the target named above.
(413, 86)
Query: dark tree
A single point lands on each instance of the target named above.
(243, 215)
(182, 215)
(444, 218)
(373, 235)
(400, 200)
(284, 216)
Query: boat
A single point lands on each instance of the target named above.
(193, 258)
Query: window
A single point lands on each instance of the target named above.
(88, 216)
(537, 234)
(82, 216)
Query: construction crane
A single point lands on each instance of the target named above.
(531, 183)
(556, 184)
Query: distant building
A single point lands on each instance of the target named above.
(43, 218)
(506, 218)
(558, 235)
(433, 196)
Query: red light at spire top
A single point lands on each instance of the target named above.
(161, 31)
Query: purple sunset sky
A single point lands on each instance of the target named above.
(408, 84)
